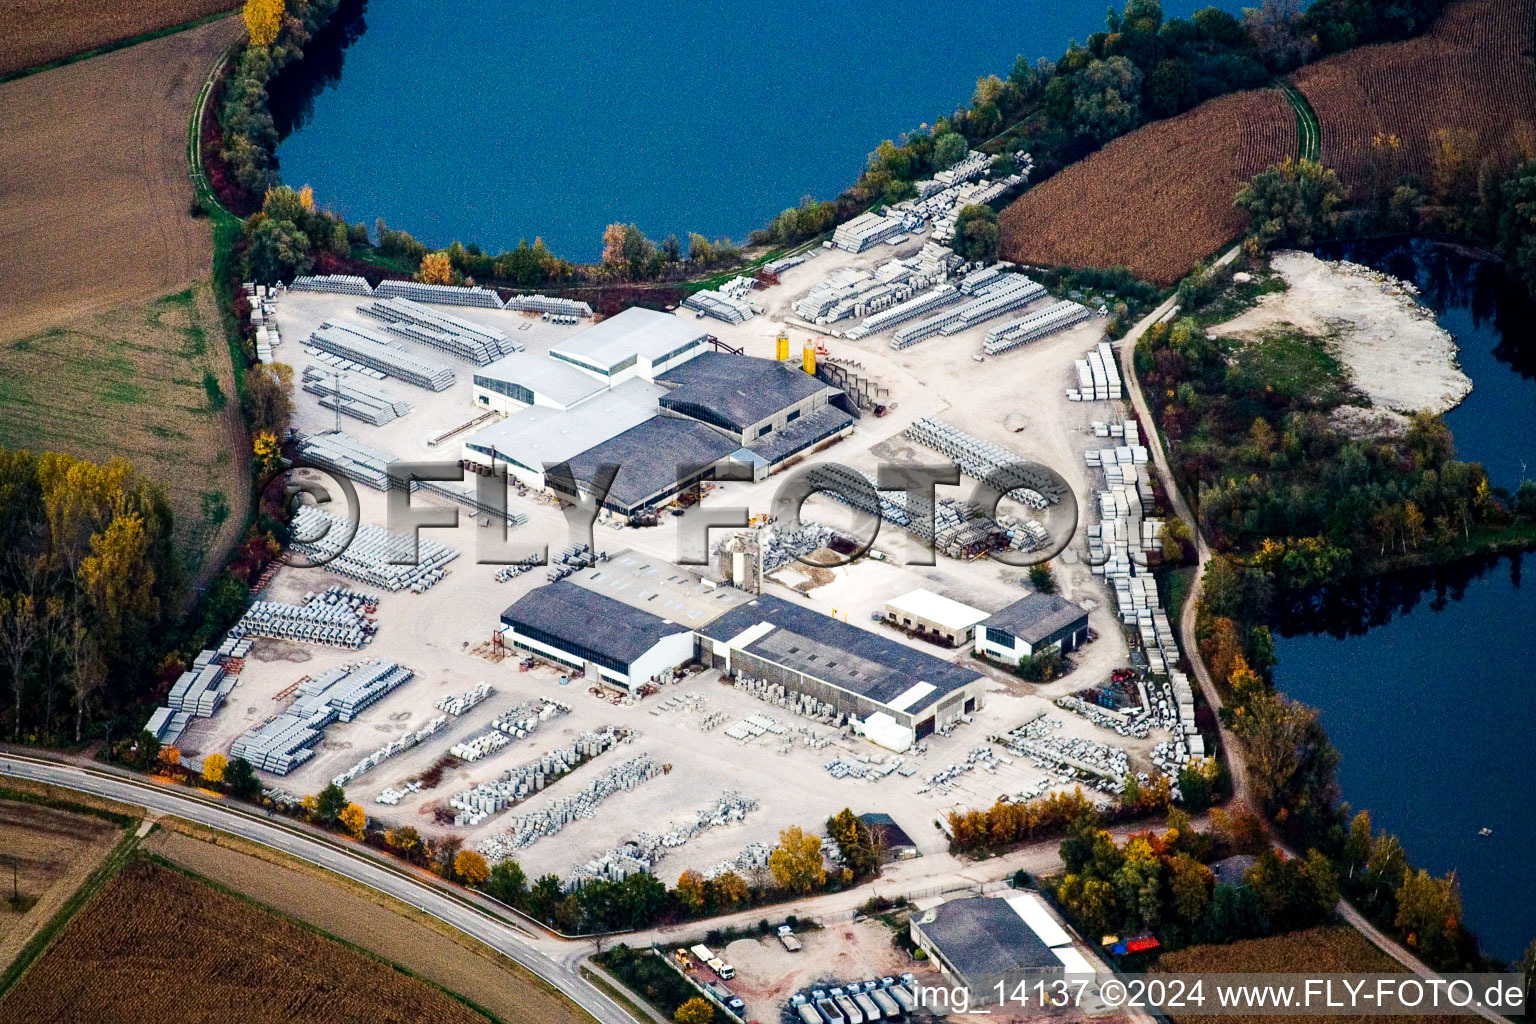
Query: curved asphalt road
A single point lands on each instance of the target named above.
(279, 835)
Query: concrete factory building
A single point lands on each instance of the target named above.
(982, 941)
(1032, 625)
(638, 342)
(608, 639)
(624, 621)
(934, 617)
(643, 395)
(900, 693)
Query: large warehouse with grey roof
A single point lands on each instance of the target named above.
(642, 390)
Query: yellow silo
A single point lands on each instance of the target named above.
(808, 358)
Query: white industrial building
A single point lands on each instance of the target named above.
(1032, 625)
(638, 342)
(934, 616)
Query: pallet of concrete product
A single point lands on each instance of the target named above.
(865, 230)
(310, 623)
(458, 703)
(368, 348)
(390, 561)
(358, 462)
(444, 294)
(336, 284)
(549, 304)
(338, 694)
(983, 459)
(720, 306)
(1058, 316)
(389, 750)
(453, 334)
(357, 399)
(1003, 294)
(926, 302)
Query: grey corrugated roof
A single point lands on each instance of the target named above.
(558, 381)
(742, 389)
(594, 621)
(1037, 617)
(983, 937)
(636, 330)
(840, 653)
(540, 434)
(652, 456)
(806, 431)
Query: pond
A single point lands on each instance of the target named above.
(493, 121)
(1426, 680)
(1494, 322)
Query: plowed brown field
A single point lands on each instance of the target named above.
(1159, 199)
(96, 191)
(34, 32)
(1472, 72)
(155, 945)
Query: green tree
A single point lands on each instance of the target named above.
(1358, 844)
(1429, 913)
(1190, 883)
(266, 398)
(1042, 667)
(1295, 202)
(241, 779)
(329, 803)
(507, 882)
(276, 251)
(1043, 578)
(1092, 902)
(948, 150)
(976, 233)
(858, 843)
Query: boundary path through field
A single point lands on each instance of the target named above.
(1309, 133)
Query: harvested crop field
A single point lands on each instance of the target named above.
(367, 919)
(156, 944)
(54, 851)
(96, 187)
(1330, 950)
(34, 32)
(1471, 75)
(1158, 200)
(150, 381)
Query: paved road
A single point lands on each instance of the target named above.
(460, 913)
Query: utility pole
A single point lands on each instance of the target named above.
(336, 376)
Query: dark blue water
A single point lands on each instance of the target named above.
(1494, 322)
(1427, 685)
(1427, 679)
(492, 121)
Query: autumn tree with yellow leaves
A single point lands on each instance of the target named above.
(796, 863)
(263, 20)
(471, 868)
(354, 819)
(436, 268)
(213, 768)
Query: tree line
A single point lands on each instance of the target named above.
(89, 581)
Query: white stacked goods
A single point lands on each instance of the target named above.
(549, 304)
(923, 330)
(518, 722)
(784, 263)
(984, 460)
(266, 337)
(445, 294)
(720, 306)
(517, 784)
(903, 311)
(337, 284)
(865, 230)
(1058, 316)
(646, 849)
(314, 623)
(1103, 375)
(374, 556)
(476, 747)
(289, 740)
(1004, 294)
(855, 292)
(444, 331)
(384, 753)
(530, 828)
(167, 724)
(371, 349)
(355, 399)
(200, 690)
(358, 462)
(457, 704)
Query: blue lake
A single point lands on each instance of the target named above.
(1426, 680)
(510, 119)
